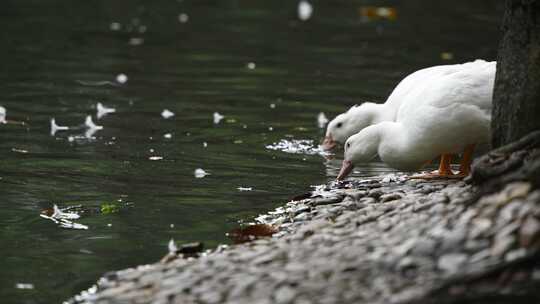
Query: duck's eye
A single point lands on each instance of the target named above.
(339, 125)
(348, 145)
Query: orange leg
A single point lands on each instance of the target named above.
(444, 165)
(445, 170)
(466, 160)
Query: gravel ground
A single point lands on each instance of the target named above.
(380, 240)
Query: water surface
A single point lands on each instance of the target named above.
(254, 62)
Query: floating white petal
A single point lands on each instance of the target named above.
(172, 246)
(24, 286)
(167, 114)
(89, 123)
(59, 214)
(103, 110)
(244, 189)
(2, 115)
(305, 10)
(55, 128)
(136, 41)
(200, 173)
(121, 78)
(218, 117)
(183, 18)
(322, 120)
(63, 219)
(115, 26)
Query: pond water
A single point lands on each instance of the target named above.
(267, 72)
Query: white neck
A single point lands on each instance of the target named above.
(396, 148)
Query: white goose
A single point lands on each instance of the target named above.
(358, 117)
(442, 115)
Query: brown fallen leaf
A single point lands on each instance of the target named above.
(370, 13)
(251, 232)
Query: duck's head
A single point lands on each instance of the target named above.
(347, 124)
(359, 148)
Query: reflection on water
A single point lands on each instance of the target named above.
(196, 85)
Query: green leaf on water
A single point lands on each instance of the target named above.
(109, 208)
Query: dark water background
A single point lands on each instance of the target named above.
(51, 50)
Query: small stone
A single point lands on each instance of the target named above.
(502, 245)
(367, 200)
(211, 296)
(452, 262)
(404, 248)
(453, 240)
(424, 246)
(375, 193)
(425, 206)
(284, 295)
(351, 205)
(480, 228)
(510, 211)
(475, 245)
(440, 198)
(406, 263)
(302, 209)
(302, 217)
(336, 210)
(390, 197)
(480, 256)
(515, 254)
(326, 200)
(509, 229)
(357, 194)
(529, 232)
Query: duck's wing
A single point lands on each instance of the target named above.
(411, 82)
(471, 84)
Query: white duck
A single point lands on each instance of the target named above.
(441, 115)
(368, 113)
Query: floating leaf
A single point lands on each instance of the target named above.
(108, 208)
(369, 13)
(447, 56)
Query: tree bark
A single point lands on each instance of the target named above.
(516, 99)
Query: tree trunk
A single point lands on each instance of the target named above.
(516, 99)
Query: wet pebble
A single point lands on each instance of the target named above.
(529, 232)
(390, 197)
(451, 263)
(375, 193)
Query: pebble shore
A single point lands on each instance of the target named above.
(386, 239)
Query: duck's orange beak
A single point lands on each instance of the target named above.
(328, 143)
(346, 168)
